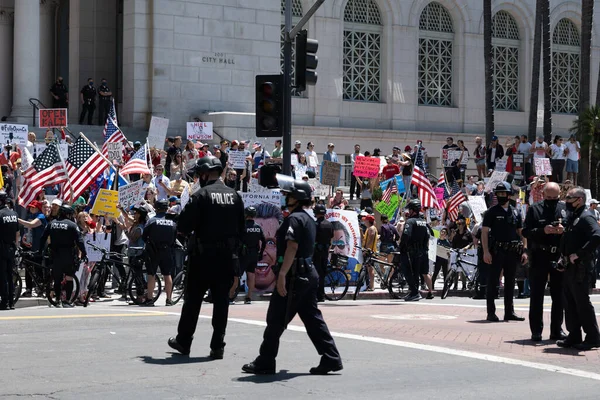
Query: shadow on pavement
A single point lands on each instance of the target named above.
(484, 321)
(283, 375)
(562, 350)
(174, 359)
(529, 342)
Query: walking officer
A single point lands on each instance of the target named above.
(414, 243)
(65, 239)
(88, 101)
(543, 229)
(503, 248)
(160, 234)
(322, 245)
(214, 217)
(104, 102)
(253, 245)
(9, 231)
(580, 242)
(297, 285)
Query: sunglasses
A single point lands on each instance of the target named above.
(573, 197)
(340, 244)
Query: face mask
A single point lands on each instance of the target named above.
(104, 83)
(513, 202)
(502, 200)
(203, 180)
(91, 83)
(570, 207)
(60, 81)
(551, 203)
(289, 204)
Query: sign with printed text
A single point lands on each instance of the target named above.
(500, 166)
(16, 131)
(478, 207)
(237, 159)
(388, 209)
(115, 152)
(300, 171)
(131, 194)
(199, 131)
(542, 166)
(319, 190)
(270, 196)
(185, 197)
(450, 155)
(495, 179)
(439, 194)
(101, 240)
(518, 165)
(52, 117)
(399, 184)
(330, 173)
(313, 161)
(366, 167)
(294, 160)
(106, 203)
(158, 132)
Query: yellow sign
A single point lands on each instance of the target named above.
(106, 203)
(1, 181)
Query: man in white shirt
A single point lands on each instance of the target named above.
(539, 147)
(354, 187)
(573, 159)
(161, 183)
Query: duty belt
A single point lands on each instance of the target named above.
(514, 246)
(548, 249)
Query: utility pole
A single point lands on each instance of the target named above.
(287, 91)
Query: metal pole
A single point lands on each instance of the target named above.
(287, 91)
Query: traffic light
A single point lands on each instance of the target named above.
(267, 175)
(306, 61)
(269, 105)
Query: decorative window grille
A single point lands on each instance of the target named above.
(565, 68)
(296, 16)
(506, 43)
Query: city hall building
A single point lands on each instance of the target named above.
(390, 71)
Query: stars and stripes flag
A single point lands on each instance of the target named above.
(419, 179)
(138, 164)
(83, 167)
(456, 199)
(112, 133)
(389, 191)
(48, 169)
(442, 184)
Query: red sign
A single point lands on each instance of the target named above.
(52, 117)
(367, 167)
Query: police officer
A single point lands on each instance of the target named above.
(297, 285)
(543, 229)
(503, 248)
(215, 214)
(580, 242)
(414, 243)
(322, 245)
(88, 101)
(253, 244)
(65, 238)
(104, 102)
(9, 229)
(60, 94)
(160, 234)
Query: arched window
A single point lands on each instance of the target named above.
(296, 16)
(506, 43)
(436, 36)
(565, 68)
(362, 51)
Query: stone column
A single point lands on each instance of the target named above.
(26, 59)
(47, 50)
(6, 65)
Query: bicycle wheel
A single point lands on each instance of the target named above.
(50, 295)
(92, 286)
(178, 287)
(397, 284)
(449, 281)
(138, 288)
(17, 285)
(336, 279)
(359, 282)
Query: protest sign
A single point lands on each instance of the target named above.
(131, 194)
(432, 250)
(448, 156)
(106, 203)
(588, 196)
(347, 230)
(542, 166)
(158, 132)
(330, 173)
(319, 190)
(52, 117)
(300, 171)
(269, 196)
(518, 165)
(388, 209)
(442, 251)
(63, 149)
(101, 240)
(294, 160)
(115, 152)
(399, 184)
(439, 194)
(478, 206)
(199, 131)
(18, 133)
(312, 161)
(237, 159)
(185, 197)
(366, 167)
(495, 179)
(500, 166)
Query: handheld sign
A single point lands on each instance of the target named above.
(330, 173)
(106, 203)
(14, 134)
(52, 117)
(366, 167)
(542, 166)
(130, 194)
(158, 132)
(237, 159)
(199, 131)
(115, 152)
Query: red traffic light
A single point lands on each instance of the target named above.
(268, 88)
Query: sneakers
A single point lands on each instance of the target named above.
(247, 300)
(413, 297)
(26, 293)
(231, 302)
(430, 296)
(147, 303)
(169, 303)
(67, 304)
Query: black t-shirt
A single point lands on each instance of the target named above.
(503, 224)
(461, 240)
(302, 229)
(324, 232)
(254, 238)
(60, 90)
(416, 233)
(160, 231)
(9, 226)
(171, 153)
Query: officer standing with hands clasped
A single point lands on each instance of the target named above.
(580, 242)
(297, 286)
(414, 244)
(215, 215)
(543, 230)
(9, 230)
(253, 244)
(503, 249)
(65, 238)
(88, 101)
(104, 102)
(322, 245)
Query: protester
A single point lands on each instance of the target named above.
(573, 154)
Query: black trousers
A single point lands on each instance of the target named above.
(354, 187)
(199, 279)
(63, 264)
(579, 311)
(558, 166)
(304, 304)
(103, 108)
(484, 270)
(7, 264)
(320, 262)
(89, 109)
(538, 278)
(440, 264)
(411, 263)
(507, 261)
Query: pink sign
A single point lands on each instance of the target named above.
(439, 194)
(367, 167)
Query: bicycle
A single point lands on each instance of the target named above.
(459, 264)
(336, 277)
(392, 279)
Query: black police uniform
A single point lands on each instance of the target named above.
(60, 90)
(581, 237)
(253, 245)
(413, 251)
(104, 104)
(89, 104)
(544, 253)
(215, 214)
(160, 235)
(506, 247)
(9, 226)
(322, 244)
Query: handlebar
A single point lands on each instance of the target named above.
(102, 250)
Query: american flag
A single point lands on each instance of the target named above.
(455, 201)
(83, 166)
(419, 179)
(47, 170)
(441, 183)
(138, 164)
(390, 190)
(112, 133)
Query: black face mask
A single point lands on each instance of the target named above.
(551, 203)
(502, 200)
(571, 207)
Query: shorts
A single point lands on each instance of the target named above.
(248, 264)
(423, 263)
(387, 247)
(572, 166)
(166, 262)
(480, 162)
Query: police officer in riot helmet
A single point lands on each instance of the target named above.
(65, 240)
(9, 229)
(297, 285)
(214, 221)
(322, 245)
(504, 247)
(414, 243)
(159, 237)
(253, 246)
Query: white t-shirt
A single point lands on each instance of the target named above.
(493, 155)
(312, 160)
(161, 192)
(558, 152)
(573, 154)
(540, 149)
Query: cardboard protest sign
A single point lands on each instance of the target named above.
(158, 132)
(131, 194)
(199, 131)
(330, 173)
(319, 190)
(495, 179)
(388, 209)
(106, 203)
(185, 197)
(52, 117)
(478, 206)
(518, 165)
(18, 133)
(115, 152)
(449, 155)
(399, 184)
(237, 159)
(542, 166)
(500, 165)
(366, 167)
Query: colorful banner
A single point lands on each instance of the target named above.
(347, 239)
(106, 203)
(366, 167)
(399, 184)
(388, 209)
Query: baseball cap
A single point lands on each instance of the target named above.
(370, 218)
(58, 202)
(234, 143)
(407, 148)
(331, 145)
(494, 138)
(35, 204)
(594, 201)
(257, 145)
(396, 148)
(297, 142)
(172, 199)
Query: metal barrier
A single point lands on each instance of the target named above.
(36, 103)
